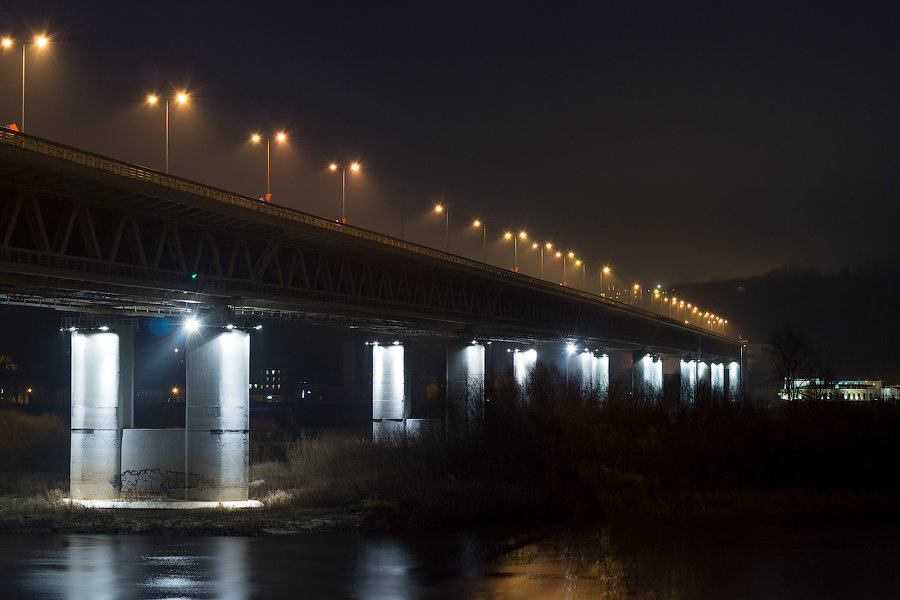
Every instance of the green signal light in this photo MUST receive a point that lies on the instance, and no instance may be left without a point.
(194, 275)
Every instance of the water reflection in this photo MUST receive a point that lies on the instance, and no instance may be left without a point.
(706, 558)
(112, 567)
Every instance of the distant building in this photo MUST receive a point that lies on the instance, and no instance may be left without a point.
(12, 390)
(851, 390)
(267, 385)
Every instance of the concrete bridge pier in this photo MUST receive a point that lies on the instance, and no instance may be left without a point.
(524, 360)
(465, 388)
(733, 387)
(671, 376)
(647, 378)
(588, 370)
(717, 382)
(217, 423)
(688, 383)
(703, 392)
(389, 391)
(102, 405)
(620, 375)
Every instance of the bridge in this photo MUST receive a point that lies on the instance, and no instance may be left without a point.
(101, 237)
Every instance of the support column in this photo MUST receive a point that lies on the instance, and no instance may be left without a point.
(671, 375)
(620, 368)
(704, 391)
(590, 372)
(647, 379)
(388, 391)
(688, 382)
(217, 421)
(524, 362)
(734, 382)
(717, 382)
(465, 388)
(97, 398)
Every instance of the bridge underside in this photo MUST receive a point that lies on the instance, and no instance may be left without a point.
(85, 233)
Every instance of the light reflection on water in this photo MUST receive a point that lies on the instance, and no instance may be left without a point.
(780, 557)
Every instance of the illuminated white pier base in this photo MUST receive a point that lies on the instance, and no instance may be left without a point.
(717, 382)
(465, 388)
(648, 378)
(102, 386)
(388, 391)
(688, 381)
(217, 422)
(734, 381)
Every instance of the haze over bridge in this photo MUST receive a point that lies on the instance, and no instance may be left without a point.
(95, 235)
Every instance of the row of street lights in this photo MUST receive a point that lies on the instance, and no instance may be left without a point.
(683, 310)
(676, 309)
(280, 136)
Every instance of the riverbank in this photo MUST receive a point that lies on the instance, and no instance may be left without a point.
(546, 458)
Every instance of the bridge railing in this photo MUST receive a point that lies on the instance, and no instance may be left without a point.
(137, 172)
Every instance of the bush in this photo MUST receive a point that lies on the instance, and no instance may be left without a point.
(31, 443)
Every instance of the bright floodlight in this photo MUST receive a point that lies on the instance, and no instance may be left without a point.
(571, 255)
(523, 235)
(7, 42)
(191, 324)
(255, 138)
(41, 41)
(354, 167)
(438, 208)
(182, 97)
(570, 348)
(548, 245)
(476, 223)
(507, 235)
(333, 167)
(152, 99)
(281, 136)
(606, 270)
(534, 245)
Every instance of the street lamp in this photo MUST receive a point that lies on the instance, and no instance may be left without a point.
(638, 293)
(40, 41)
(579, 262)
(180, 98)
(509, 236)
(354, 168)
(548, 246)
(603, 271)
(256, 138)
(479, 223)
(440, 208)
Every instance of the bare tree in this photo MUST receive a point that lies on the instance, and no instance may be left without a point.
(791, 357)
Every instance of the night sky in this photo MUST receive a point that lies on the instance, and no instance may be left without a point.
(673, 143)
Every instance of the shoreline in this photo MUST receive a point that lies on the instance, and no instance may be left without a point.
(59, 518)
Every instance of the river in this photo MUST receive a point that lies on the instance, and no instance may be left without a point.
(771, 557)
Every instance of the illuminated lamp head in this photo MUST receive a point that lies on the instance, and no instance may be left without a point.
(191, 324)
